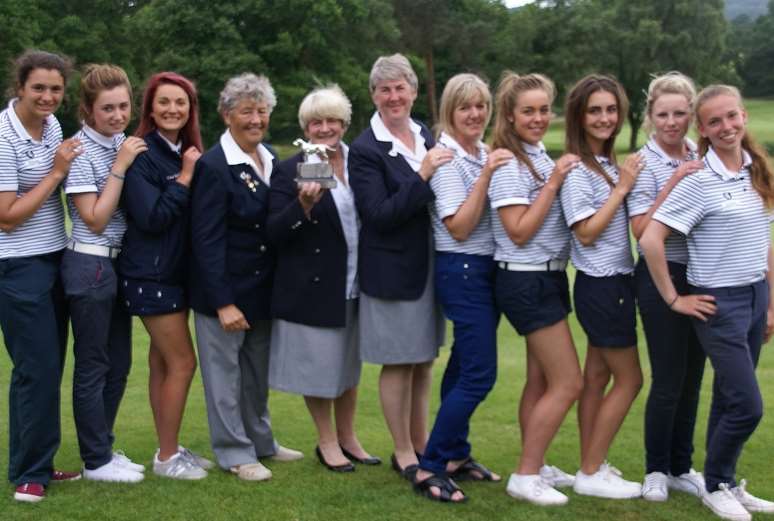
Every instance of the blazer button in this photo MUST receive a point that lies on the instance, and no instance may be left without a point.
(262, 248)
(316, 279)
(257, 272)
(257, 226)
(315, 221)
(317, 251)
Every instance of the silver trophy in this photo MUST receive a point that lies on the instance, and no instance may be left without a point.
(320, 172)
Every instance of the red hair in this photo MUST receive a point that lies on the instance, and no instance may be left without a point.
(189, 134)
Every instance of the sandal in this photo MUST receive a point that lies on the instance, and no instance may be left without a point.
(446, 486)
(472, 470)
(408, 472)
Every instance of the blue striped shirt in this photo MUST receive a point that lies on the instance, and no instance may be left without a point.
(514, 184)
(726, 224)
(583, 193)
(659, 168)
(89, 174)
(452, 183)
(24, 162)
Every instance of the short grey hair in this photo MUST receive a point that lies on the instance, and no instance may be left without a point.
(392, 68)
(246, 86)
(325, 102)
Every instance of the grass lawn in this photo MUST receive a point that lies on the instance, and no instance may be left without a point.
(306, 491)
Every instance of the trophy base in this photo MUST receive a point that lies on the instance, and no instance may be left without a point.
(316, 173)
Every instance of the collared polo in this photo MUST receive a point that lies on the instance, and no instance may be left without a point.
(514, 184)
(24, 162)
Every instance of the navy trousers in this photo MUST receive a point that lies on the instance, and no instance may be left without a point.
(677, 366)
(465, 287)
(33, 317)
(732, 339)
(102, 345)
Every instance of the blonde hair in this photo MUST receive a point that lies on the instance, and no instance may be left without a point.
(95, 79)
(325, 102)
(672, 82)
(760, 171)
(506, 99)
(462, 88)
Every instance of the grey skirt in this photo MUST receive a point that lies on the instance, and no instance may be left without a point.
(315, 361)
(402, 331)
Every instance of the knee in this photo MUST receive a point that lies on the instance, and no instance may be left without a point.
(571, 389)
(596, 379)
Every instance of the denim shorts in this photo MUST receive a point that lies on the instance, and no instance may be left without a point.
(532, 300)
(606, 310)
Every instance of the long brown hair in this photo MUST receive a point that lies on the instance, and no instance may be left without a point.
(189, 134)
(575, 112)
(508, 90)
(760, 171)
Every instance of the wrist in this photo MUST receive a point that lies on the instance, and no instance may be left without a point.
(57, 174)
(115, 174)
(672, 301)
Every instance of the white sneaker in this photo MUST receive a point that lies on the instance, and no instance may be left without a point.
(654, 488)
(725, 505)
(533, 488)
(113, 471)
(121, 459)
(556, 477)
(750, 502)
(286, 454)
(606, 482)
(691, 482)
(196, 458)
(179, 466)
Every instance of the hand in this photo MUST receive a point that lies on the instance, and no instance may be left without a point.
(129, 150)
(495, 160)
(232, 319)
(68, 150)
(699, 306)
(563, 166)
(687, 168)
(629, 172)
(434, 158)
(190, 157)
(309, 194)
(769, 325)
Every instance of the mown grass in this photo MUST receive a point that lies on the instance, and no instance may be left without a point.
(306, 491)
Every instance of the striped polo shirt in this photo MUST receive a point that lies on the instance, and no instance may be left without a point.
(659, 168)
(89, 174)
(514, 184)
(583, 193)
(725, 221)
(452, 184)
(24, 162)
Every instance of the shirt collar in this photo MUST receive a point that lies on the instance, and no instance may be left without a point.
(175, 147)
(668, 160)
(104, 141)
(603, 160)
(534, 150)
(381, 133)
(712, 160)
(19, 127)
(236, 156)
(449, 142)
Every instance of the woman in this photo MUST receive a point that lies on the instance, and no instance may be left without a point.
(314, 345)
(151, 265)
(464, 277)
(401, 327)
(531, 285)
(676, 358)
(33, 163)
(724, 211)
(231, 280)
(592, 200)
(101, 327)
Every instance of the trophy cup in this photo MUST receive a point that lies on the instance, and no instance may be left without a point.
(315, 167)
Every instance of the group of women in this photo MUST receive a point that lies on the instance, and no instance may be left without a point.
(293, 285)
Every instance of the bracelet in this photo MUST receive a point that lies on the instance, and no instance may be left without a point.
(121, 177)
(673, 301)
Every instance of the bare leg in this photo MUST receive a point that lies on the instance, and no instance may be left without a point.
(596, 376)
(320, 409)
(344, 407)
(553, 352)
(171, 340)
(156, 371)
(395, 387)
(624, 364)
(534, 388)
(420, 405)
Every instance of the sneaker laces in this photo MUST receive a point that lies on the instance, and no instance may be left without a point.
(652, 481)
(612, 469)
(180, 465)
(728, 495)
(539, 486)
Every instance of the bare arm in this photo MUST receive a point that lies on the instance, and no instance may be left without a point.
(770, 311)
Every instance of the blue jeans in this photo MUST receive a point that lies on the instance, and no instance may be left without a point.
(33, 317)
(465, 287)
(732, 339)
(102, 345)
(677, 366)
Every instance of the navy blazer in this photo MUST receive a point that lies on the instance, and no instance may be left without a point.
(232, 261)
(155, 246)
(392, 201)
(311, 279)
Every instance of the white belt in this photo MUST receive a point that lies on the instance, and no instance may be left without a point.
(552, 265)
(94, 249)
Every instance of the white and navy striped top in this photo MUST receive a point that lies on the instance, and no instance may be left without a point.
(514, 184)
(452, 183)
(24, 162)
(583, 193)
(659, 168)
(725, 221)
(89, 173)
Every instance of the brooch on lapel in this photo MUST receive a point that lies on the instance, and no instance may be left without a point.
(248, 180)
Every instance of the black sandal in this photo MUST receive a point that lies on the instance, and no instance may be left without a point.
(472, 470)
(446, 487)
(408, 472)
